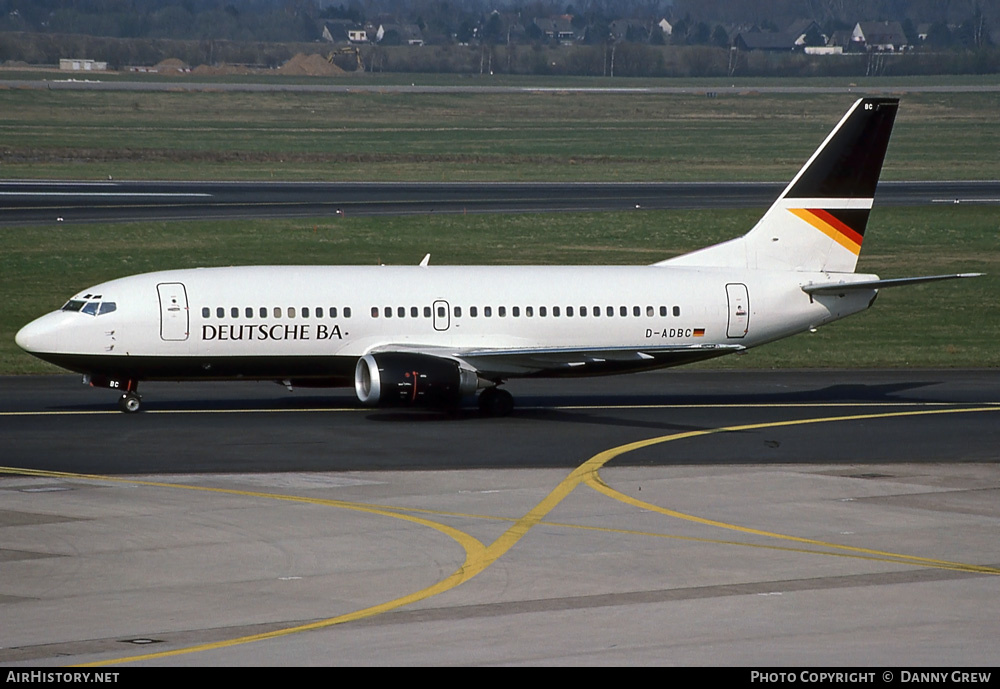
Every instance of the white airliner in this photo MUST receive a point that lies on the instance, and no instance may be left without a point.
(433, 335)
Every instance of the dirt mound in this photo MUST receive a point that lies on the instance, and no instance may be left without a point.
(172, 65)
(310, 66)
(222, 70)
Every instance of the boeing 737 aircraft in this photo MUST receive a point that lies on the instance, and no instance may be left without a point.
(433, 335)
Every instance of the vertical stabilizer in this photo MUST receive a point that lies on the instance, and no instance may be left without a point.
(818, 222)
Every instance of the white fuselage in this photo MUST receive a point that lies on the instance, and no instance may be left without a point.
(432, 335)
(188, 323)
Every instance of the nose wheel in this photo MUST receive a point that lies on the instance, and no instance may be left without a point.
(130, 402)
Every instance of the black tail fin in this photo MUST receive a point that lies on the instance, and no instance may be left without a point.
(847, 165)
(818, 222)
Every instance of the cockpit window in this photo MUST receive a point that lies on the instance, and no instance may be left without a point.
(92, 308)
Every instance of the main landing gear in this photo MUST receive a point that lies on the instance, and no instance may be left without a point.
(495, 402)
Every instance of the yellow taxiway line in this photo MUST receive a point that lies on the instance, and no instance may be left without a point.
(480, 557)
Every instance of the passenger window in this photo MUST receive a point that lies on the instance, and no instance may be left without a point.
(610, 311)
(555, 311)
(677, 311)
(305, 312)
(649, 311)
(569, 311)
(529, 311)
(502, 311)
(263, 312)
(205, 311)
(458, 312)
(663, 310)
(622, 311)
(473, 311)
(597, 311)
(414, 312)
(635, 311)
(291, 312)
(220, 312)
(441, 312)
(248, 311)
(374, 312)
(277, 312)
(333, 312)
(234, 312)
(427, 312)
(487, 311)
(347, 312)
(541, 311)
(401, 311)
(583, 310)
(516, 311)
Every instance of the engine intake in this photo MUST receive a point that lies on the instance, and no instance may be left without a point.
(396, 379)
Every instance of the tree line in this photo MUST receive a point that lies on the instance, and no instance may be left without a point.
(961, 23)
(479, 36)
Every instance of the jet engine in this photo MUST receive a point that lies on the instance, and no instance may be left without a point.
(399, 379)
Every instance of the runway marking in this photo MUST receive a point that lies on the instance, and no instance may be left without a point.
(107, 194)
(565, 407)
(473, 564)
(864, 555)
(479, 557)
(594, 480)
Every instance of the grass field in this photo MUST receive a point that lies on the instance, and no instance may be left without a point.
(541, 136)
(946, 325)
(466, 136)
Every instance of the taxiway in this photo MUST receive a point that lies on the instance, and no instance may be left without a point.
(33, 202)
(677, 517)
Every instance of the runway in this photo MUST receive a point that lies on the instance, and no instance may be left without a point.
(25, 202)
(679, 517)
(350, 85)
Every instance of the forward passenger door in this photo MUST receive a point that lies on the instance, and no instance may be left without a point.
(174, 319)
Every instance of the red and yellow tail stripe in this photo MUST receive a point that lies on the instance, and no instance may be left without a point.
(836, 228)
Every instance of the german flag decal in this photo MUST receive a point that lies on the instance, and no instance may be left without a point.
(846, 226)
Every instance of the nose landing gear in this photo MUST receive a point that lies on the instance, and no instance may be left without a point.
(130, 402)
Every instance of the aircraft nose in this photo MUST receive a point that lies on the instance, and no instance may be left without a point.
(37, 336)
(27, 336)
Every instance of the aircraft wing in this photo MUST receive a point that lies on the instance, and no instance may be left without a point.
(556, 361)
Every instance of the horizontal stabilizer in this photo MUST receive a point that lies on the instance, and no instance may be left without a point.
(841, 287)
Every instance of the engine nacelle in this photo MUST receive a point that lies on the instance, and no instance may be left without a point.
(398, 379)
